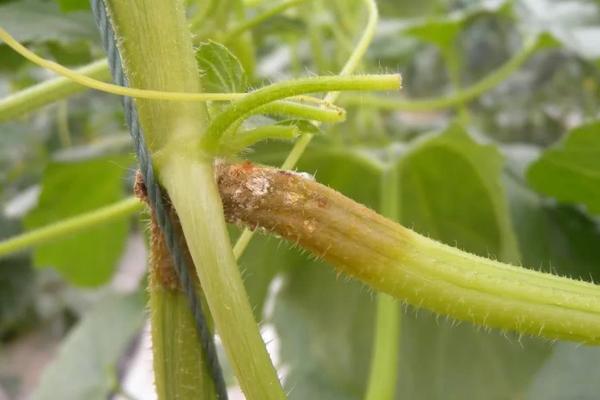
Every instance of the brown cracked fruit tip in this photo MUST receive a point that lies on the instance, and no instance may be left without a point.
(389, 257)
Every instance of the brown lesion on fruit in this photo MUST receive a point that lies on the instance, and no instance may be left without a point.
(297, 208)
(251, 194)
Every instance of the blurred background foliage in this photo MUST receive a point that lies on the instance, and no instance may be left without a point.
(512, 174)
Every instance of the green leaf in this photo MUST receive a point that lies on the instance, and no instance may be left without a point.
(443, 31)
(283, 25)
(450, 190)
(442, 360)
(222, 71)
(16, 291)
(70, 54)
(263, 260)
(558, 239)
(324, 164)
(11, 60)
(17, 284)
(570, 171)
(325, 328)
(73, 5)
(570, 373)
(87, 362)
(37, 21)
(21, 150)
(72, 188)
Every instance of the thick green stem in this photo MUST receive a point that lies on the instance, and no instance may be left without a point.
(158, 54)
(386, 343)
(222, 284)
(49, 91)
(406, 265)
(179, 367)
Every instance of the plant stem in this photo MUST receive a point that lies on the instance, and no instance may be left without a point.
(349, 67)
(302, 143)
(62, 124)
(384, 361)
(386, 343)
(251, 137)
(387, 256)
(260, 18)
(85, 77)
(329, 114)
(221, 281)
(245, 106)
(453, 66)
(157, 51)
(177, 357)
(82, 79)
(406, 265)
(70, 226)
(179, 365)
(462, 96)
(18, 103)
(44, 93)
(316, 38)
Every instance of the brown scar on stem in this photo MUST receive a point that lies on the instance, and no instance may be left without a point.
(162, 271)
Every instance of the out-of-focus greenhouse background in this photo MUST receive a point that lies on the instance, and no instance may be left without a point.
(495, 135)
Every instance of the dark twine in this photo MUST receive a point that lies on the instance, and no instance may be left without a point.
(155, 199)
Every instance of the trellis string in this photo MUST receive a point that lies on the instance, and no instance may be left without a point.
(157, 203)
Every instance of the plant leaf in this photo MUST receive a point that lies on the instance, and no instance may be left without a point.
(16, 284)
(443, 31)
(559, 239)
(73, 5)
(72, 188)
(263, 260)
(86, 364)
(222, 71)
(41, 21)
(570, 172)
(325, 328)
(450, 190)
(570, 373)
